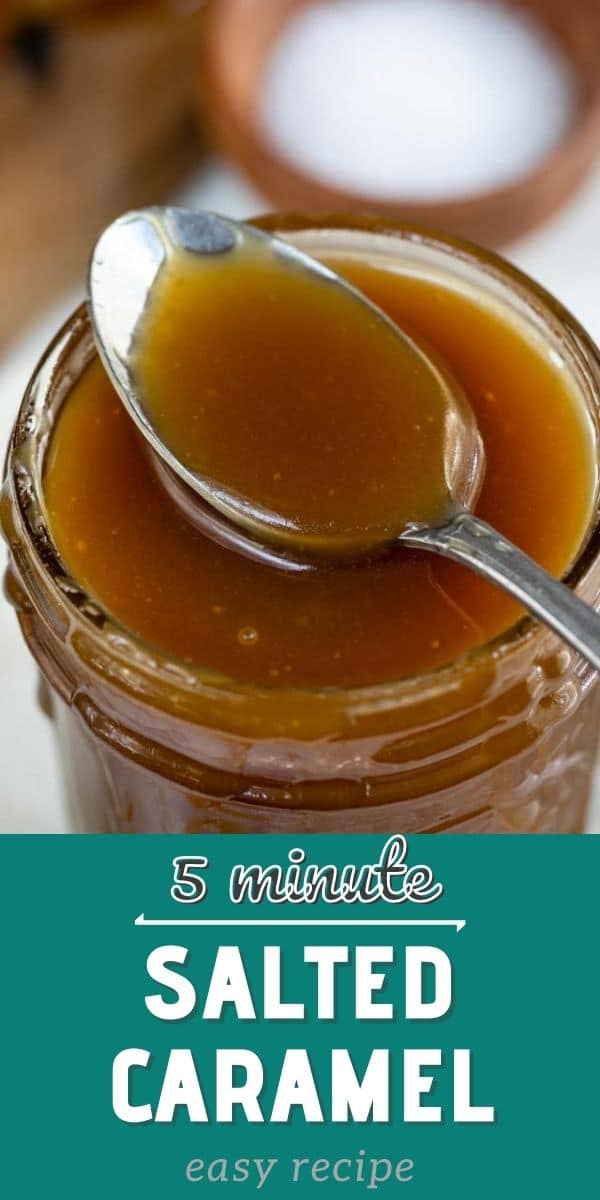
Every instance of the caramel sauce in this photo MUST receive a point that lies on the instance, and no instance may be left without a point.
(132, 548)
(304, 410)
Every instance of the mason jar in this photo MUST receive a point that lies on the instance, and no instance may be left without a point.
(503, 739)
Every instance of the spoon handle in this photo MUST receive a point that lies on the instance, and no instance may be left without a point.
(468, 540)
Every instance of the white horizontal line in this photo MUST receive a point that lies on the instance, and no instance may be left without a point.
(236, 923)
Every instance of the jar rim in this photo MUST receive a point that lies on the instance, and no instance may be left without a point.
(106, 632)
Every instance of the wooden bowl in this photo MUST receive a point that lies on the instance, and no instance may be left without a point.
(238, 36)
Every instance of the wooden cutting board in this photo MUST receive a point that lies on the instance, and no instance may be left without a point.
(94, 118)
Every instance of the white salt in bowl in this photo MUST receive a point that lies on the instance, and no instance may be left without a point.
(239, 38)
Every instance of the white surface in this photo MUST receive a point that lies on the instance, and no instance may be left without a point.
(427, 98)
(565, 257)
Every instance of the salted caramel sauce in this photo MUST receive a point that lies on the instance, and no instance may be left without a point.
(129, 544)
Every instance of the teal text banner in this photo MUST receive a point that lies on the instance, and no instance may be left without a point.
(201, 1017)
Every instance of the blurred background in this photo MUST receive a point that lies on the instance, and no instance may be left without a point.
(481, 117)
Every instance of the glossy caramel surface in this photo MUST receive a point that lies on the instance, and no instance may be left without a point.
(300, 408)
(130, 546)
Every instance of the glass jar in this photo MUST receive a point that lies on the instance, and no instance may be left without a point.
(503, 739)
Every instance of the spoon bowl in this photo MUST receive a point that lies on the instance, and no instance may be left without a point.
(125, 268)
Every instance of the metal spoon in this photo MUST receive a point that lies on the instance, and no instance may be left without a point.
(125, 264)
